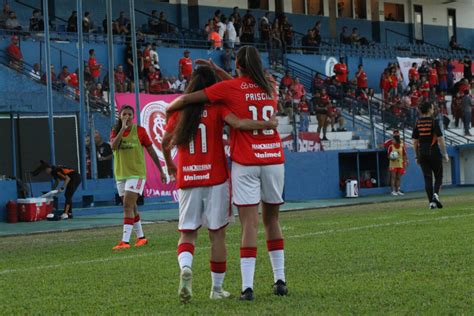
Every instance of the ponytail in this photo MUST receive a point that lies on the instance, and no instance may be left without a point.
(250, 63)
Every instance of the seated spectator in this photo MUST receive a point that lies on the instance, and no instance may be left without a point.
(115, 26)
(12, 22)
(287, 100)
(14, 54)
(297, 90)
(63, 75)
(178, 85)
(356, 39)
(36, 22)
(154, 81)
(72, 23)
(335, 115)
(35, 73)
(44, 79)
(96, 94)
(123, 23)
(153, 22)
(4, 15)
(121, 81)
(72, 82)
(343, 37)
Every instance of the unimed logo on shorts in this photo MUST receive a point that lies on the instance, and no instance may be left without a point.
(153, 118)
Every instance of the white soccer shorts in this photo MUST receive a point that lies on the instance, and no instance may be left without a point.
(131, 185)
(252, 184)
(204, 206)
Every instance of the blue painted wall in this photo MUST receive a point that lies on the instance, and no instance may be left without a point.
(7, 192)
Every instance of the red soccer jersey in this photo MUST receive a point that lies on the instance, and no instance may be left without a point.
(186, 66)
(95, 67)
(415, 96)
(73, 81)
(362, 80)
(433, 75)
(303, 107)
(341, 72)
(145, 140)
(154, 84)
(425, 89)
(413, 74)
(146, 59)
(393, 80)
(203, 161)
(14, 52)
(247, 100)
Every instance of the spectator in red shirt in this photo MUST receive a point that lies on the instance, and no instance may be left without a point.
(147, 62)
(318, 83)
(121, 80)
(413, 74)
(425, 88)
(341, 71)
(286, 82)
(154, 81)
(94, 66)
(393, 81)
(186, 66)
(385, 84)
(443, 75)
(73, 82)
(433, 76)
(63, 75)
(14, 54)
(298, 90)
(361, 78)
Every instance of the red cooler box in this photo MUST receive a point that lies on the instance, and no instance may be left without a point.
(32, 209)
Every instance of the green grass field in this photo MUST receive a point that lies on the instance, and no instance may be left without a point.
(390, 258)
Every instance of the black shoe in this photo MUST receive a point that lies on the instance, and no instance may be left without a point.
(247, 295)
(437, 201)
(280, 289)
(70, 215)
(325, 138)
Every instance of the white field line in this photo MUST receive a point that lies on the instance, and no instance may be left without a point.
(323, 232)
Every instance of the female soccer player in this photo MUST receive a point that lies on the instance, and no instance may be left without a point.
(127, 141)
(71, 178)
(398, 165)
(202, 174)
(430, 150)
(257, 161)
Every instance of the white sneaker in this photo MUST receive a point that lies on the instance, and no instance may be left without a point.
(218, 294)
(400, 193)
(432, 205)
(185, 291)
(394, 193)
(64, 216)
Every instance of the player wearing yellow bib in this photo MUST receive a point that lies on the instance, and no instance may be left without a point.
(127, 141)
(398, 161)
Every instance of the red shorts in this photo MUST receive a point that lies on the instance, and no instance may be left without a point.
(398, 170)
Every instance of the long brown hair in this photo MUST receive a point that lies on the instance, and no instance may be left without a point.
(190, 117)
(118, 124)
(250, 64)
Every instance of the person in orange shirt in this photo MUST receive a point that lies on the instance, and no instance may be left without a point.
(433, 76)
(216, 40)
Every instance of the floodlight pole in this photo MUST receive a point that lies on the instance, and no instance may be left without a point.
(135, 61)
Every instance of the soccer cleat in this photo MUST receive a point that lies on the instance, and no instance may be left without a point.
(141, 242)
(280, 289)
(400, 193)
(437, 201)
(217, 294)
(121, 245)
(247, 295)
(432, 205)
(64, 216)
(185, 291)
(394, 193)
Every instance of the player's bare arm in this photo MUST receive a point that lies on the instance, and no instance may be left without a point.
(187, 99)
(442, 145)
(247, 124)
